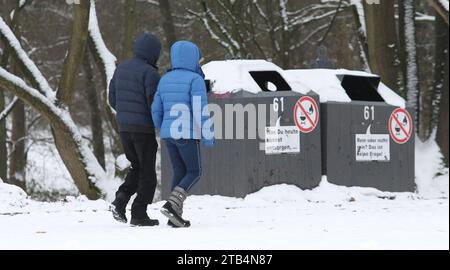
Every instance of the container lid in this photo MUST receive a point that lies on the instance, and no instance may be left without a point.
(255, 76)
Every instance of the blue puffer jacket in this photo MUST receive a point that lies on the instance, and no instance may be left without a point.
(179, 108)
(134, 84)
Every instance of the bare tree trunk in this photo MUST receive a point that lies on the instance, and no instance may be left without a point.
(3, 137)
(130, 29)
(382, 41)
(67, 147)
(75, 53)
(409, 86)
(442, 128)
(430, 97)
(402, 53)
(18, 159)
(3, 149)
(285, 34)
(96, 117)
(168, 25)
(362, 39)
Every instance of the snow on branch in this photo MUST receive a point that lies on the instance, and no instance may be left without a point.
(62, 117)
(362, 17)
(211, 32)
(312, 18)
(22, 3)
(8, 109)
(108, 59)
(25, 92)
(284, 16)
(209, 14)
(444, 4)
(14, 43)
(152, 2)
(441, 7)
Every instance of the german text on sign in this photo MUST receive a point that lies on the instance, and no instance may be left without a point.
(282, 140)
(372, 147)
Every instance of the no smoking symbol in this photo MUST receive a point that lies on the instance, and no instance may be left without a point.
(306, 114)
(400, 126)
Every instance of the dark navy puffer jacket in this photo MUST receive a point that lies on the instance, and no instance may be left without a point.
(134, 84)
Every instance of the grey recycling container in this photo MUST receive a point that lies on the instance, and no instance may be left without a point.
(241, 163)
(367, 142)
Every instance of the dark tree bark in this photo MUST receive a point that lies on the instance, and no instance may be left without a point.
(75, 53)
(130, 29)
(382, 41)
(3, 149)
(96, 116)
(409, 85)
(362, 39)
(430, 97)
(442, 75)
(18, 158)
(67, 147)
(168, 25)
(402, 47)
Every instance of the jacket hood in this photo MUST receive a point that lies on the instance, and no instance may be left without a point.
(185, 55)
(148, 48)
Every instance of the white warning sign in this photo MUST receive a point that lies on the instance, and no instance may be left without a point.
(282, 140)
(372, 147)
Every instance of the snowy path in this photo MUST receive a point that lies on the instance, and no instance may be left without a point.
(278, 217)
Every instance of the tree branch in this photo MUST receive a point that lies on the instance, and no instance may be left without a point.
(439, 10)
(8, 109)
(27, 66)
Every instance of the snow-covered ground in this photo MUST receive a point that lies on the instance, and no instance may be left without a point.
(277, 217)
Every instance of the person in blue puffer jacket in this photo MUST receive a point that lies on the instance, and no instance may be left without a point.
(179, 110)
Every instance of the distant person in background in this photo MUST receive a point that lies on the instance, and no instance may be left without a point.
(131, 94)
(181, 98)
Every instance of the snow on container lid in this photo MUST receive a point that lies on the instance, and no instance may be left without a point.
(327, 83)
(252, 76)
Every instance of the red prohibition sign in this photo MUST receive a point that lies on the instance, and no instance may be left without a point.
(400, 125)
(306, 114)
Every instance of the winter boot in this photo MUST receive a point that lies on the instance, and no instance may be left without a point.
(143, 222)
(118, 208)
(139, 216)
(169, 223)
(173, 208)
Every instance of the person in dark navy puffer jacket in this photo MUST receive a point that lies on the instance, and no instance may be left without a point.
(131, 93)
(180, 110)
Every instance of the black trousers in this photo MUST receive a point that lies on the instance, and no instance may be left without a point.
(140, 149)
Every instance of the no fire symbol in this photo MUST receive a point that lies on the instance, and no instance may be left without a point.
(400, 126)
(306, 114)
